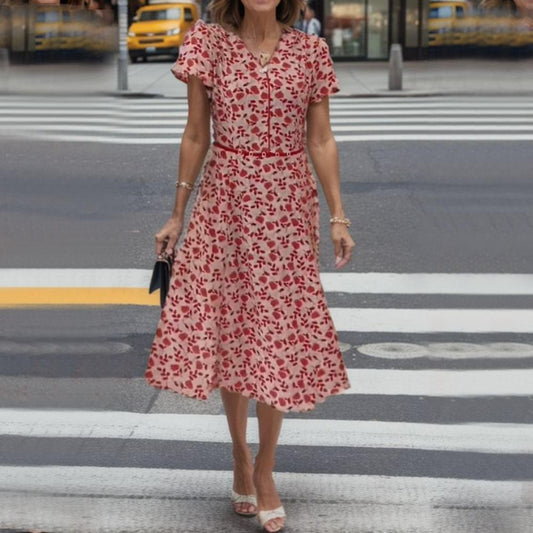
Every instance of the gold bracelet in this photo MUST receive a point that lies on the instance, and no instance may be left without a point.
(186, 184)
(345, 221)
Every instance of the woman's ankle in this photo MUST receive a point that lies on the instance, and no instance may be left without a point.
(264, 465)
(242, 454)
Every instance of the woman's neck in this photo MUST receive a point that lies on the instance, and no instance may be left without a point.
(259, 26)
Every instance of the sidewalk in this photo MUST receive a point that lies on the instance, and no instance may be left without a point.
(364, 79)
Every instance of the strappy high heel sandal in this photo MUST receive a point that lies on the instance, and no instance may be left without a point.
(266, 516)
(237, 499)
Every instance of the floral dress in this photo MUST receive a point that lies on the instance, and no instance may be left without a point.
(246, 309)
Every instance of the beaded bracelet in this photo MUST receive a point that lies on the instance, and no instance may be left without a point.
(186, 184)
(345, 221)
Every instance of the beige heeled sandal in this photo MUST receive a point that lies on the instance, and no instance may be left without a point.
(237, 498)
(266, 516)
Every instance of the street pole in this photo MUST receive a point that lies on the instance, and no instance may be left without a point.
(4, 69)
(122, 45)
(395, 67)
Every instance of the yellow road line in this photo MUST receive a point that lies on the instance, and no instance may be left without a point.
(42, 296)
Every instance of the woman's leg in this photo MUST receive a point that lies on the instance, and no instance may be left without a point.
(236, 406)
(269, 420)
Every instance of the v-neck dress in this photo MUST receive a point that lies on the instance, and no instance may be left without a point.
(246, 309)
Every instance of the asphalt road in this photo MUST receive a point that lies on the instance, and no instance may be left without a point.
(424, 206)
(415, 207)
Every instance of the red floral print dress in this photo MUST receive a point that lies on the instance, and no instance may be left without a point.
(246, 309)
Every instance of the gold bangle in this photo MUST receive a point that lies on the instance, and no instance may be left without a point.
(185, 184)
(345, 221)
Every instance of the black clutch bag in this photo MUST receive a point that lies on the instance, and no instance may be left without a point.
(161, 276)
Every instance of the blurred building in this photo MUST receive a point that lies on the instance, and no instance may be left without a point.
(354, 29)
(365, 29)
(31, 29)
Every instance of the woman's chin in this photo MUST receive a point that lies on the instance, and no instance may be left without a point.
(261, 6)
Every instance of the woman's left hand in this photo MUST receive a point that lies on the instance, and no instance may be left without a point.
(343, 244)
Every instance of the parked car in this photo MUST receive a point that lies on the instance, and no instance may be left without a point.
(457, 23)
(61, 28)
(444, 22)
(159, 29)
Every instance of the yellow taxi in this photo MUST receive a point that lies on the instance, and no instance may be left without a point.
(48, 28)
(159, 28)
(71, 29)
(445, 25)
(457, 23)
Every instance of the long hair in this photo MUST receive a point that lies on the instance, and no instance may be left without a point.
(231, 12)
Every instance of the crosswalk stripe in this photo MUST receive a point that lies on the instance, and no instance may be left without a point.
(335, 103)
(74, 123)
(160, 121)
(347, 282)
(441, 383)
(165, 483)
(176, 130)
(349, 319)
(473, 437)
(334, 112)
(339, 138)
(428, 283)
(164, 120)
(434, 137)
(421, 320)
(129, 287)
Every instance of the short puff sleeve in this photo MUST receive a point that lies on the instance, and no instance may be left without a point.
(196, 55)
(325, 80)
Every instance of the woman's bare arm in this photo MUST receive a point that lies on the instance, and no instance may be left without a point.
(194, 142)
(325, 158)
(194, 145)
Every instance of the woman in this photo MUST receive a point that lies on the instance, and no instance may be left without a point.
(311, 24)
(246, 312)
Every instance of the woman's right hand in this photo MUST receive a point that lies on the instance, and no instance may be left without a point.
(167, 237)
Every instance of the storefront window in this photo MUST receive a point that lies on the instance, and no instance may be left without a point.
(345, 27)
(412, 20)
(378, 29)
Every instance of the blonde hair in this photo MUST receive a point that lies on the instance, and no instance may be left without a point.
(231, 12)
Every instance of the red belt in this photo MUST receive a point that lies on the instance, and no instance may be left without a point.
(264, 153)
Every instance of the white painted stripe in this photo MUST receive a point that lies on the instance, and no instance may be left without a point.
(483, 438)
(177, 129)
(441, 383)
(428, 283)
(433, 320)
(429, 111)
(90, 138)
(344, 103)
(345, 282)
(173, 113)
(431, 120)
(107, 129)
(434, 137)
(75, 277)
(88, 499)
(436, 127)
(334, 111)
(132, 120)
(170, 482)
(104, 119)
(339, 138)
